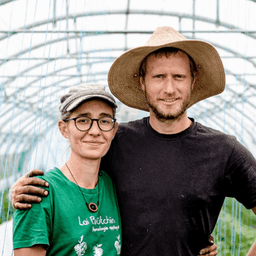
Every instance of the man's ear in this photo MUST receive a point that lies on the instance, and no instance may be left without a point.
(193, 83)
(63, 128)
(142, 84)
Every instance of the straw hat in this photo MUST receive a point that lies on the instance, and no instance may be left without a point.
(123, 77)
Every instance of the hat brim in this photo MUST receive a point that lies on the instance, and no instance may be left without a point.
(124, 81)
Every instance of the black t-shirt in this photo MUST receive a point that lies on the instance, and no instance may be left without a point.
(171, 187)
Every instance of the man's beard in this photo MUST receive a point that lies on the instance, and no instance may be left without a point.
(161, 116)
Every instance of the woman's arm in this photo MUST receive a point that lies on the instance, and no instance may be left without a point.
(37, 250)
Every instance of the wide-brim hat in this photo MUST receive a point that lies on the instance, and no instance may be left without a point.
(82, 93)
(123, 76)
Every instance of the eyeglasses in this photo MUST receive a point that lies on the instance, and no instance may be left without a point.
(85, 123)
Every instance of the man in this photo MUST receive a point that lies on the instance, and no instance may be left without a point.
(171, 173)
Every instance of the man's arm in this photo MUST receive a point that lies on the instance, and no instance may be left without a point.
(25, 191)
(210, 250)
(252, 251)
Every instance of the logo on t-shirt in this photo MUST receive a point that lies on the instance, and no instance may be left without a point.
(81, 247)
(97, 250)
(118, 245)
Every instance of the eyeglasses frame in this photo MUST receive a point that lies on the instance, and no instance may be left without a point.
(92, 119)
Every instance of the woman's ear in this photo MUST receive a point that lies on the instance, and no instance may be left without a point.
(63, 128)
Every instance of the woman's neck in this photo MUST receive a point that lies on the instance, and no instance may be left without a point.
(83, 172)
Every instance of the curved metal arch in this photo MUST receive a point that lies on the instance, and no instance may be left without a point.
(82, 75)
(29, 108)
(149, 32)
(245, 115)
(32, 135)
(239, 96)
(218, 110)
(47, 120)
(63, 39)
(74, 76)
(236, 54)
(22, 146)
(38, 136)
(228, 125)
(249, 132)
(173, 14)
(117, 12)
(96, 74)
(215, 109)
(89, 33)
(71, 77)
(46, 62)
(54, 59)
(131, 12)
(52, 124)
(64, 80)
(2, 2)
(34, 48)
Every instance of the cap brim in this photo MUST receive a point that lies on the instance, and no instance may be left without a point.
(76, 102)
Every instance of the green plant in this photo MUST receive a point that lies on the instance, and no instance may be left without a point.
(6, 209)
(235, 230)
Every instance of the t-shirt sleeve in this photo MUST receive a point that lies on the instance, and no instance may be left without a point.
(33, 227)
(240, 177)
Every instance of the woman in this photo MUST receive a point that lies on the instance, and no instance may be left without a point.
(80, 216)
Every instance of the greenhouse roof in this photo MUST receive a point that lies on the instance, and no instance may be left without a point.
(48, 46)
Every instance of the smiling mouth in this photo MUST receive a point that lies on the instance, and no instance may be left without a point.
(168, 100)
(94, 143)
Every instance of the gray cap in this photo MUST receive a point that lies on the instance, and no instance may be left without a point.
(84, 92)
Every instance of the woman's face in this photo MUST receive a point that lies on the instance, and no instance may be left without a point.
(94, 143)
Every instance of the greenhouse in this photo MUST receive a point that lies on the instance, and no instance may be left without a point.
(49, 46)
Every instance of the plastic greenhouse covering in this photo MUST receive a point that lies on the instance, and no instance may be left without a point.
(48, 46)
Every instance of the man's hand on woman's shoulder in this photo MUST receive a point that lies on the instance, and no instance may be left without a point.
(25, 190)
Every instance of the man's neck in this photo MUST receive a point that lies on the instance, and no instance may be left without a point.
(173, 126)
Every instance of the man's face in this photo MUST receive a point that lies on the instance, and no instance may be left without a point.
(168, 85)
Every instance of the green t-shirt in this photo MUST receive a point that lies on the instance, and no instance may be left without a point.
(63, 223)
